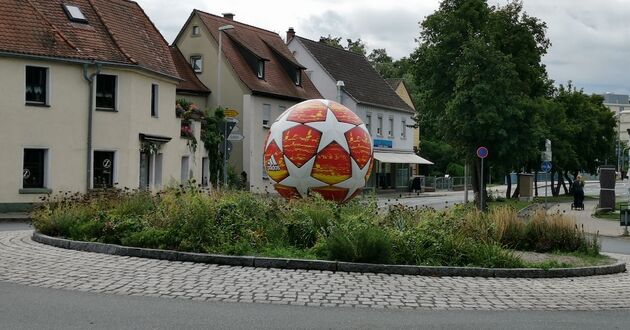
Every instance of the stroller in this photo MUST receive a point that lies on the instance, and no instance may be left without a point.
(578, 195)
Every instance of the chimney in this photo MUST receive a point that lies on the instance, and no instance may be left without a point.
(290, 34)
(229, 16)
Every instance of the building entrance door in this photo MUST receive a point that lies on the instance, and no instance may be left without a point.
(145, 170)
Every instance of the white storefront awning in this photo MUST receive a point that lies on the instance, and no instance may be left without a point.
(400, 158)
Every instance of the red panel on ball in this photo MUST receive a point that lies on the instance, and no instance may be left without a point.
(344, 114)
(331, 193)
(369, 171)
(360, 145)
(300, 144)
(274, 163)
(287, 192)
(308, 111)
(332, 164)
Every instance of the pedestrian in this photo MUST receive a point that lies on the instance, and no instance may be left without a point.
(244, 182)
(578, 193)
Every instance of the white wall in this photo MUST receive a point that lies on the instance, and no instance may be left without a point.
(62, 127)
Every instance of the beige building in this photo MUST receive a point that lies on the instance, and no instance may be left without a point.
(88, 101)
(399, 86)
(259, 78)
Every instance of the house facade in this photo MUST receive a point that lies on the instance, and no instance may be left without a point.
(351, 80)
(88, 101)
(400, 87)
(259, 78)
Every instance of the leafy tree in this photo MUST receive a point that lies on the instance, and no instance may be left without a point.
(331, 41)
(357, 47)
(479, 75)
(211, 136)
(582, 131)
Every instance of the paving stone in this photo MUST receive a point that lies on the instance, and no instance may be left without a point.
(27, 262)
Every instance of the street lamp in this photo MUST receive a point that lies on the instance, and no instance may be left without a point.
(340, 85)
(219, 60)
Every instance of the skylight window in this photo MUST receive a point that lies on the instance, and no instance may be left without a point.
(74, 13)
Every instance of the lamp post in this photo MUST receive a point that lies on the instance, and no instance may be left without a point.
(219, 60)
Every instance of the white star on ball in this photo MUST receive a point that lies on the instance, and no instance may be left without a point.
(356, 181)
(300, 177)
(332, 131)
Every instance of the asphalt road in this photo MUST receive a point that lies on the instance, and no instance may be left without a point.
(24, 307)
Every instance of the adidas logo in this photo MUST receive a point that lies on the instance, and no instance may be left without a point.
(272, 165)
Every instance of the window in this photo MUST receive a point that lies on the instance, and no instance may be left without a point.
(154, 100)
(34, 168)
(103, 169)
(185, 169)
(158, 170)
(74, 13)
(36, 85)
(391, 127)
(298, 77)
(281, 110)
(195, 31)
(145, 170)
(106, 92)
(197, 63)
(368, 122)
(266, 116)
(379, 128)
(205, 172)
(403, 130)
(261, 70)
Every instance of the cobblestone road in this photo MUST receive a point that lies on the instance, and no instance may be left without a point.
(26, 262)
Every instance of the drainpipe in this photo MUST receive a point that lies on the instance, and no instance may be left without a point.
(90, 80)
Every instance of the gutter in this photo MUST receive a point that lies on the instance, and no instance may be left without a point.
(90, 80)
(87, 61)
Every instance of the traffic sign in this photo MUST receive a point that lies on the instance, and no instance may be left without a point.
(235, 137)
(230, 113)
(545, 166)
(482, 152)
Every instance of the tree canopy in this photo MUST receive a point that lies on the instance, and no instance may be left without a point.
(478, 71)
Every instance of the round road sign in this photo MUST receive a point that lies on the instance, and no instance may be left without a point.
(482, 152)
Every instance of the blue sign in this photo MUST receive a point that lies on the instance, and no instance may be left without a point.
(383, 143)
(482, 152)
(545, 167)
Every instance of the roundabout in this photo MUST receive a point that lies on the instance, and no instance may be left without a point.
(26, 262)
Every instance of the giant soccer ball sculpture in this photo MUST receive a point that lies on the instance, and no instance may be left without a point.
(318, 146)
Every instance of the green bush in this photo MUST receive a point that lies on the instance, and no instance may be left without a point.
(187, 218)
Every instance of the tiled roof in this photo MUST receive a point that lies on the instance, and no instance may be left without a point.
(190, 82)
(394, 82)
(362, 81)
(266, 45)
(117, 31)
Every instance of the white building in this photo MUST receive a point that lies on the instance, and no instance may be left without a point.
(349, 78)
(259, 78)
(88, 101)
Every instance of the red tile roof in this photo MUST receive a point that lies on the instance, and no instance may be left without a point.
(190, 82)
(266, 45)
(117, 31)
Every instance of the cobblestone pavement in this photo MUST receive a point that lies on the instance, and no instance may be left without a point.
(26, 262)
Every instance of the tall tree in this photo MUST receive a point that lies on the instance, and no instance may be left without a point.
(357, 47)
(478, 74)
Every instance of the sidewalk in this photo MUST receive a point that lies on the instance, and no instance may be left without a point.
(591, 224)
(15, 216)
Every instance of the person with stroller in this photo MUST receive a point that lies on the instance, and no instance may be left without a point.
(578, 193)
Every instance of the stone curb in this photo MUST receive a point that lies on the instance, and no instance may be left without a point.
(322, 265)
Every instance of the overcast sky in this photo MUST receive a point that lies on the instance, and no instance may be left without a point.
(590, 38)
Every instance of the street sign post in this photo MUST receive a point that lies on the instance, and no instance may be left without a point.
(546, 168)
(228, 125)
(482, 152)
(230, 113)
(235, 137)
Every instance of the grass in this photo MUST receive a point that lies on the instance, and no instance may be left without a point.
(511, 203)
(187, 218)
(605, 215)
